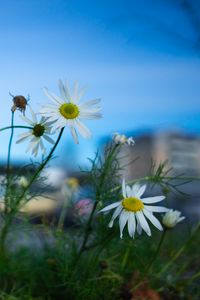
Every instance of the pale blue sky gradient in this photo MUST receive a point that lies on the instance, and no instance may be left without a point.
(142, 59)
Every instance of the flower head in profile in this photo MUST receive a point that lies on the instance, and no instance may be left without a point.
(122, 139)
(37, 132)
(67, 110)
(135, 210)
(171, 218)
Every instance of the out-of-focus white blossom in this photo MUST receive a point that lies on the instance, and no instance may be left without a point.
(171, 218)
(122, 139)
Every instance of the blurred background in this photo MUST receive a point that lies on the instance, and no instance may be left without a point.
(142, 58)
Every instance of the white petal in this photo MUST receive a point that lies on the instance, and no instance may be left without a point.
(30, 122)
(131, 224)
(123, 188)
(53, 97)
(128, 191)
(90, 116)
(63, 91)
(122, 221)
(33, 114)
(115, 215)
(153, 219)
(139, 228)
(89, 103)
(74, 134)
(141, 191)
(24, 136)
(181, 219)
(135, 189)
(156, 208)
(83, 130)
(153, 199)
(42, 147)
(48, 139)
(110, 206)
(141, 219)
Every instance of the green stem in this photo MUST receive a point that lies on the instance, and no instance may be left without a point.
(98, 194)
(157, 251)
(8, 164)
(14, 210)
(152, 261)
(16, 126)
(125, 257)
(41, 167)
(179, 252)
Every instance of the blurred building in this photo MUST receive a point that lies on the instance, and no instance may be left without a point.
(180, 150)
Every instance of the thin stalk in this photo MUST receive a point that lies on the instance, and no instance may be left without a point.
(15, 126)
(14, 210)
(157, 251)
(8, 164)
(98, 194)
(179, 252)
(152, 261)
(41, 167)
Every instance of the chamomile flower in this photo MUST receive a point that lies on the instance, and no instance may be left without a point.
(67, 110)
(39, 131)
(123, 139)
(134, 210)
(171, 218)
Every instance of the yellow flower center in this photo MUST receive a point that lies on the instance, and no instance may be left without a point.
(38, 130)
(69, 110)
(132, 204)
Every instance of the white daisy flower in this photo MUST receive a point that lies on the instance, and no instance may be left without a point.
(67, 110)
(132, 209)
(40, 130)
(171, 218)
(122, 139)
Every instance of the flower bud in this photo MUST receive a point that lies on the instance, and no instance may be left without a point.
(171, 218)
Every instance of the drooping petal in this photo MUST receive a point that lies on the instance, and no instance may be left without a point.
(153, 219)
(74, 134)
(83, 130)
(131, 224)
(122, 221)
(139, 228)
(141, 219)
(115, 215)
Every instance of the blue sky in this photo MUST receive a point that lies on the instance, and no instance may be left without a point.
(141, 57)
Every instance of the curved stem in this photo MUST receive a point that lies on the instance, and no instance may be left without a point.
(41, 167)
(179, 252)
(157, 251)
(98, 194)
(8, 164)
(152, 261)
(15, 126)
(13, 211)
